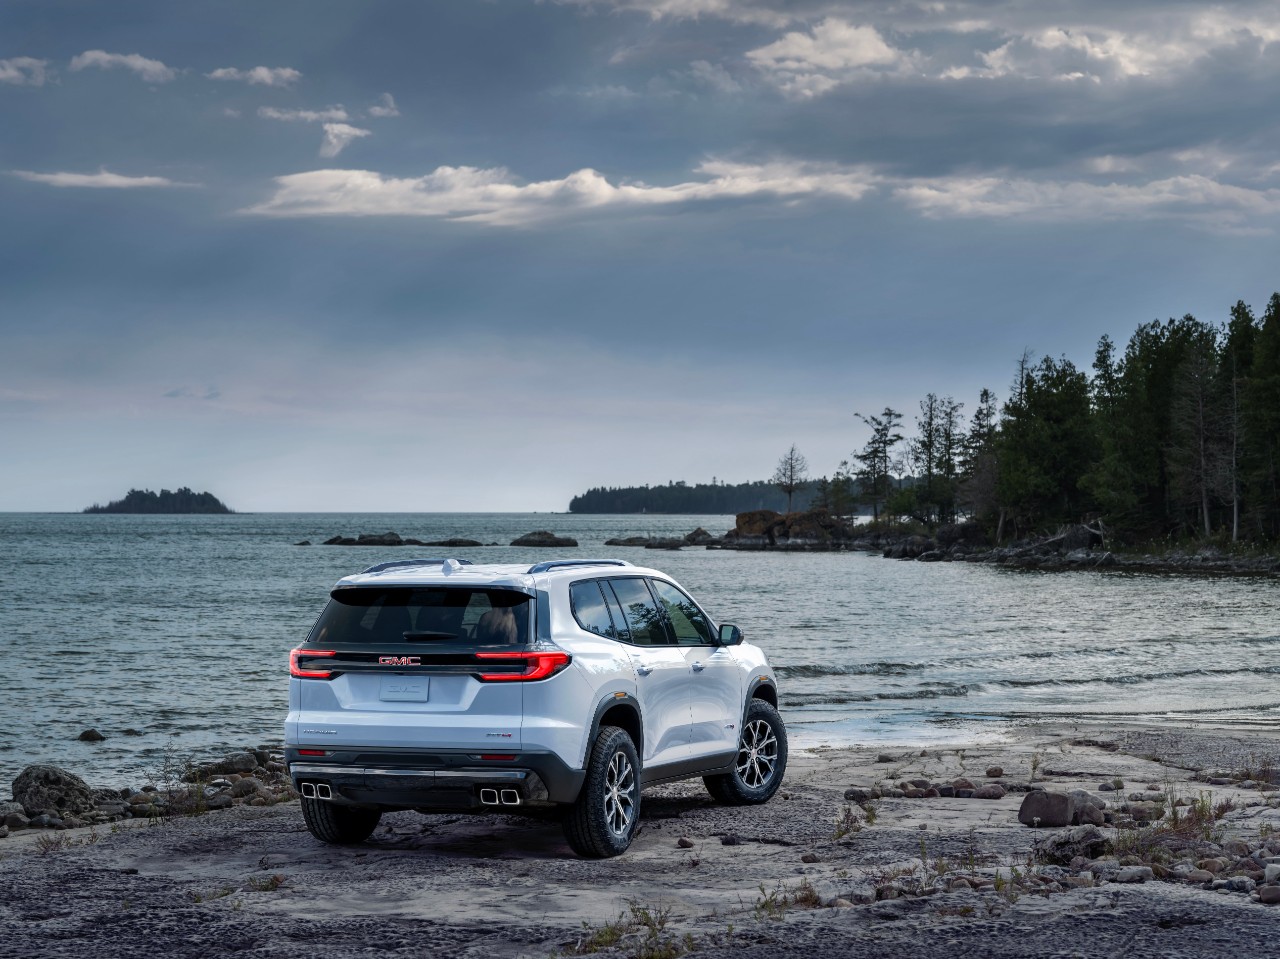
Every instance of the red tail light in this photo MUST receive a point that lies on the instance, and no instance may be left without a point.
(537, 665)
(296, 670)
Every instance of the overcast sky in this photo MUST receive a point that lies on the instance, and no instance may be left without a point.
(482, 256)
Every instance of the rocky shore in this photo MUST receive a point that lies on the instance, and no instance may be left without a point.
(1078, 547)
(1061, 840)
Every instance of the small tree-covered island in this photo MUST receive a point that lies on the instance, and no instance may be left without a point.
(183, 500)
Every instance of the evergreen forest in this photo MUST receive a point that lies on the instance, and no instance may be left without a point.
(183, 500)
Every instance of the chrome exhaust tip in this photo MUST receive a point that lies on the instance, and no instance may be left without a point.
(323, 791)
(309, 790)
(510, 797)
(489, 797)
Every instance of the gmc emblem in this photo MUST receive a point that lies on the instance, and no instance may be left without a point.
(399, 660)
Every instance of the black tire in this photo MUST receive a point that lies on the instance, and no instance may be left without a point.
(603, 820)
(339, 825)
(761, 761)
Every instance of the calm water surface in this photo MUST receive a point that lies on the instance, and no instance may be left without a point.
(179, 626)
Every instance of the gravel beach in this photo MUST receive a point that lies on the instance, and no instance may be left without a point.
(810, 873)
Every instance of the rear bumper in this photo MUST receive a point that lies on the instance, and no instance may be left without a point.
(440, 780)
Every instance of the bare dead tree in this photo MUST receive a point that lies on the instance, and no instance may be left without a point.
(792, 474)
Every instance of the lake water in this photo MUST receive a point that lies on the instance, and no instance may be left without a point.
(180, 626)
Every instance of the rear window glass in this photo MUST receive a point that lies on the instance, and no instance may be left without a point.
(589, 609)
(478, 617)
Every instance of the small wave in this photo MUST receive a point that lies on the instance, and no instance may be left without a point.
(852, 669)
(936, 692)
(1133, 679)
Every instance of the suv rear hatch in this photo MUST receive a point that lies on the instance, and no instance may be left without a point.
(418, 666)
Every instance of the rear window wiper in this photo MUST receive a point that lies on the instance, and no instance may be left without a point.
(413, 636)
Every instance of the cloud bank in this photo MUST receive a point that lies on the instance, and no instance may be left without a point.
(495, 196)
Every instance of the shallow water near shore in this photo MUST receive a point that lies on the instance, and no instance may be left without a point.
(179, 627)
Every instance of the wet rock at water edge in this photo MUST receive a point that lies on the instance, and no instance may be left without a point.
(131, 732)
(628, 541)
(48, 789)
(91, 736)
(305, 542)
(699, 537)
(989, 791)
(684, 842)
(543, 538)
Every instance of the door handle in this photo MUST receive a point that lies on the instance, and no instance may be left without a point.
(644, 670)
(697, 666)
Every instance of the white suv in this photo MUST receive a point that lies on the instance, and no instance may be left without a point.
(439, 685)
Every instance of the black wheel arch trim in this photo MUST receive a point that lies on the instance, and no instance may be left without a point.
(609, 702)
(760, 682)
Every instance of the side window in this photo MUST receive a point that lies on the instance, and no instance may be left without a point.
(589, 609)
(692, 628)
(619, 621)
(642, 616)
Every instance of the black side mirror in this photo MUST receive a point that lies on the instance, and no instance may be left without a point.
(730, 635)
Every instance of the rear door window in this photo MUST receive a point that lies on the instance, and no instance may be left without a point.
(452, 616)
(691, 627)
(646, 623)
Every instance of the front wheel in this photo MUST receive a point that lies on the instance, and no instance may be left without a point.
(603, 820)
(339, 825)
(760, 763)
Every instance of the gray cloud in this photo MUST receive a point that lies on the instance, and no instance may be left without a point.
(153, 71)
(337, 136)
(103, 179)
(333, 114)
(261, 76)
(24, 71)
(385, 107)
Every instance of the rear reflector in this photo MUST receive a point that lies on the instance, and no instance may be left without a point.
(537, 665)
(498, 756)
(311, 752)
(296, 670)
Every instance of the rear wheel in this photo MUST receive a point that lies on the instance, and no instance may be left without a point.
(761, 761)
(339, 825)
(603, 820)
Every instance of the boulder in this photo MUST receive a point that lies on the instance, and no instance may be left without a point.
(627, 541)
(543, 538)
(989, 791)
(754, 523)
(455, 543)
(239, 762)
(699, 537)
(1047, 810)
(379, 539)
(49, 790)
(91, 736)
(1061, 847)
(995, 772)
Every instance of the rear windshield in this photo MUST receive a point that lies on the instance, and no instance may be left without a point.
(476, 617)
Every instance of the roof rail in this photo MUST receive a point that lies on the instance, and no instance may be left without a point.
(416, 562)
(560, 563)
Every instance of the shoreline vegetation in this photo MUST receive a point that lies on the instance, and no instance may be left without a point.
(1170, 446)
(179, 501)
(1089, 839)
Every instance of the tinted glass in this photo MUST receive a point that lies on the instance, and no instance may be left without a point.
(691, 627)
(590, 610)
(615, 608)
(643, 619)
(479, 617)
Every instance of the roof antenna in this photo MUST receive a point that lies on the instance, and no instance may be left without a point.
(450, 566)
